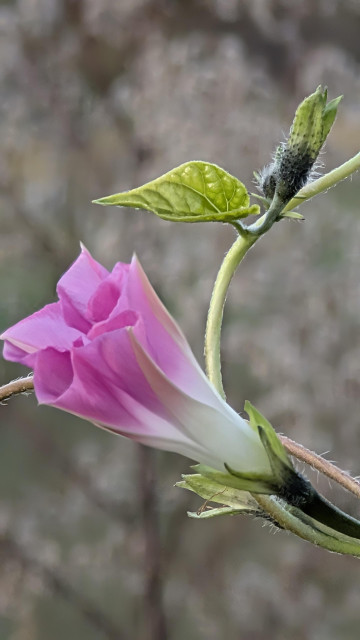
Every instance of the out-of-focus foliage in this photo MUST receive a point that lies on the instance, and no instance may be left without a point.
(100, 96)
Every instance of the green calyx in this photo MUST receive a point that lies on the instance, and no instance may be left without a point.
(238, 492)
(193, 192)
(284, 481)
(274, 448)
(282, 473)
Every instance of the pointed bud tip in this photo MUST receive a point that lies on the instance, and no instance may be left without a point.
(101, 201)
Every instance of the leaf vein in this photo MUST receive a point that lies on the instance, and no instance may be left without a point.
(187, 186)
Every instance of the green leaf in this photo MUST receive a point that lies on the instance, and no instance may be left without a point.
(257, 420)
(215, 492)
(193, 192)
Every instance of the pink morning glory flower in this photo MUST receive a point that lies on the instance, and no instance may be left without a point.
(108, 351)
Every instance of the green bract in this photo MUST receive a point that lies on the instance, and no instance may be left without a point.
(256, 421)
(329, 115)
(233, 501)
(252, 482)
(193, 192)
(215, 512)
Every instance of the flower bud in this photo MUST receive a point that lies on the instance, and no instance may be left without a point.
(294, 159)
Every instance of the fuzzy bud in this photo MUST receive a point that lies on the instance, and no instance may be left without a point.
(294, 159)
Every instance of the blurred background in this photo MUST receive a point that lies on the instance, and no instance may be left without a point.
(99, 96)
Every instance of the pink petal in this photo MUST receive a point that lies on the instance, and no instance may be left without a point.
(112, 354)
(53, 374)
(76, 287)
(143, 298)
(166, 343)
(119, 397)
(103, 301)
(44, 328)
(12, 353)
(120, 321)
(79, 389)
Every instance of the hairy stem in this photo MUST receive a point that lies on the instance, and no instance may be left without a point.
(311, 190)
(294, 520)
(22, 385)
(325, 182)
(288, 517)
(265, 223)
(314, 460)
(319, 463)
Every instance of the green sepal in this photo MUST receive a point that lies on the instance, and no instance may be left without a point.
(216, 512)
(193, 192)
(293, 215)
(256, 420)
(307, 130)
(266, 203)
(313, 121)
(252, 482)
(329, 115)
(215, 492)
(281, 471)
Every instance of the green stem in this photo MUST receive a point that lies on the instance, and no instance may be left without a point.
(214, 321)
(325, 182)
(294, 520)
(311, 190)
(265, 223)
(286, 516)
(237, 252)
(323, 511)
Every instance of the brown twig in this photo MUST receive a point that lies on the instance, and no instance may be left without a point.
(314, 460)
(14, 388)
(320, 464)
